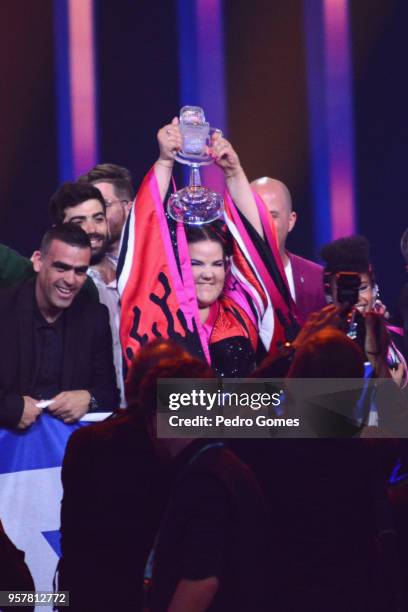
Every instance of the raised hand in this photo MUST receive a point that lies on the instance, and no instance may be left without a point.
(170, 142)
(224, 155)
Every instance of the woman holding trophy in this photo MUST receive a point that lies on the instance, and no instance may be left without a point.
(215, 286)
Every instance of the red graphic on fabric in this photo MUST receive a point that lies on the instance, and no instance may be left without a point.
(233, 321)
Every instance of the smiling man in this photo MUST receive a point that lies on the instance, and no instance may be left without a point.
(115, 184)
(61, 269)
(83, 204)
(56, 344)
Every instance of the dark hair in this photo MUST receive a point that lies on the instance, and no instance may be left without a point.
(71, 194)
(118, 176)
(328, 353)
(148, 357)
(351, 254)
(69, 233)
(404, 245)
(216, 231)
(185, 367)
(327, 408)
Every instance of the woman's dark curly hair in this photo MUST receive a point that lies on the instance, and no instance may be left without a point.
(216, 231)
(351, 254)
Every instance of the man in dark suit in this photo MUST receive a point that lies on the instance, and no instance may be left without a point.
(55, 344)
(305, 277)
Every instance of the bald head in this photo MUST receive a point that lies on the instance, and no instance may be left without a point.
(271, 190)
(277, 199)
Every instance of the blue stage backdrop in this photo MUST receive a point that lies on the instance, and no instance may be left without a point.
(139, 86)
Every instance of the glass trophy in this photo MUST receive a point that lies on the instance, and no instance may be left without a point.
(195, 204)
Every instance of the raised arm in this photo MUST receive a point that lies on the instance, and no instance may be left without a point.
(169, 139)
(237, 183)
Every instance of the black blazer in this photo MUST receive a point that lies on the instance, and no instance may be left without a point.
(87, 358)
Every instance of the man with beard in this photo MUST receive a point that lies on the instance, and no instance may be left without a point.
(115, 184)
(56, 344)
(83, 204)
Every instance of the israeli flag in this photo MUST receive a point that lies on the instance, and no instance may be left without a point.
(31, 493)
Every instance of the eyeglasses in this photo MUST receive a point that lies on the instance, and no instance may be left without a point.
(109, 203)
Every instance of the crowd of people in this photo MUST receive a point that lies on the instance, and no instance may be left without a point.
(118, 296)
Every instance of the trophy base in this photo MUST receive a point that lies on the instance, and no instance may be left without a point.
(195, 205)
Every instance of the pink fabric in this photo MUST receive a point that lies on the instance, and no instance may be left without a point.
(396, 330)
(171, 260)
(189, 286)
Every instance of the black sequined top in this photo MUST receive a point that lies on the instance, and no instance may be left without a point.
(233, 357)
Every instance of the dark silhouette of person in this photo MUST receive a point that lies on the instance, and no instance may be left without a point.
(115, 486)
